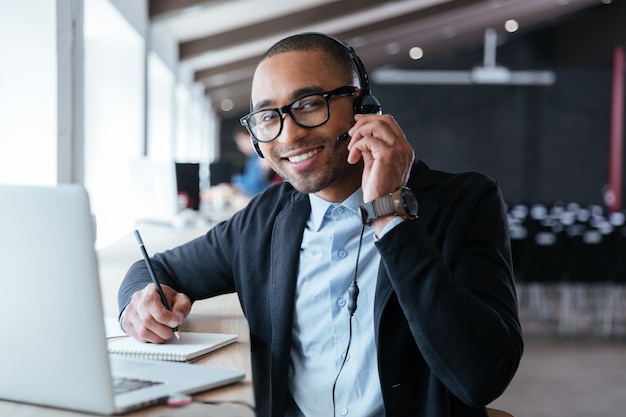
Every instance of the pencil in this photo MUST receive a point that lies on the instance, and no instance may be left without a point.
(157, 284)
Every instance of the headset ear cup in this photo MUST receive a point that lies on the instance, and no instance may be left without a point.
(367, 104)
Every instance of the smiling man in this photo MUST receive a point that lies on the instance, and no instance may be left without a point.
(425, 253)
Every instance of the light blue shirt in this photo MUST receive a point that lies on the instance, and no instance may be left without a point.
(321, 319)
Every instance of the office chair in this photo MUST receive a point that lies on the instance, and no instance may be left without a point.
(541, 262)
(615, 297)
(588, 273)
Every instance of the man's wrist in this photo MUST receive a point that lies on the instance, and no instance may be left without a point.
(401, 202)
(385, 224)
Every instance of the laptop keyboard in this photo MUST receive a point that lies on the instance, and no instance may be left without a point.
(122, 385)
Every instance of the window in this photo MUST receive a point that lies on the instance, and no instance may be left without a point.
(28, 86)
(114, 115)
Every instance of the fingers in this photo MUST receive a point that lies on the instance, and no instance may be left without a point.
(387, 155)
(146, 319)
(383, 127)
(379, 137)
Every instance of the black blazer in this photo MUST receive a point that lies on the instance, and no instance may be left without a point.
(445, 315)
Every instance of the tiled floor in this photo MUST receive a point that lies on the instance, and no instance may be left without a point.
(580, 374)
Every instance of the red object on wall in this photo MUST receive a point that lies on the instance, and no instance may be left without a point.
(617, 132)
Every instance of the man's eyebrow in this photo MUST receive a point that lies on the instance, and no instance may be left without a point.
(268, 103)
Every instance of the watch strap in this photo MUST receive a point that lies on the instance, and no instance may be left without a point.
(384, 206)
(379, 207)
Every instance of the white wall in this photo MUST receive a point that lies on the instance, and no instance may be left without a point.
(28, 92)
(87, 87)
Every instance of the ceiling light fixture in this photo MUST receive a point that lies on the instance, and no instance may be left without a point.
(511, 25)
(487, 73)
(416, 53)
(226, 104)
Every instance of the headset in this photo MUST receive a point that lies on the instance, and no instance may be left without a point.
(364, 104)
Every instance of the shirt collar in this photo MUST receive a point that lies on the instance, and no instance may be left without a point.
(319, 207)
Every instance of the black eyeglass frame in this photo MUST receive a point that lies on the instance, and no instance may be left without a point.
(344, 91)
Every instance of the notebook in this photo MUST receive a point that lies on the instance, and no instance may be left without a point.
(190, 346)
(54, 350)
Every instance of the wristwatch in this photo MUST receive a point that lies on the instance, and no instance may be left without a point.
(401, 202)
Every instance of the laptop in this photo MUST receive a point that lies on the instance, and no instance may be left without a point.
(53, 345)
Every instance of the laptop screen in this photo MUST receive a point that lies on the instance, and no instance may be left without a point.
(54, 349)
(54, 344)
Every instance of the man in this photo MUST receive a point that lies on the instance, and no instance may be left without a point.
(257, 174)
(436, 332)
(256, 177)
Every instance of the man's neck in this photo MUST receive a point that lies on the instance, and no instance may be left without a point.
(344, 186)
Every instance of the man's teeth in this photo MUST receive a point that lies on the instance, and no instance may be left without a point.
(302, 157)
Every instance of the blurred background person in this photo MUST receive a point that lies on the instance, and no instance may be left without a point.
(255, 177)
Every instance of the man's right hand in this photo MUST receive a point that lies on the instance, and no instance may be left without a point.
(146, 319)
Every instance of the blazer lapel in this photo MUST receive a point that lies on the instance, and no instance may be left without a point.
(286, 242)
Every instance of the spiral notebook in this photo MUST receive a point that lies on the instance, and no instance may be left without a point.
(190, 346)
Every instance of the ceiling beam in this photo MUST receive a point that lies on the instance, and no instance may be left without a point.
(161, 9)
(427, 27)
(251, 62)
(364, 30)
(228, 85)
(239, 95)
(412, 18)
(240, 98)
(280, 24)
(386, 25)
(372, 57)
(469, 25)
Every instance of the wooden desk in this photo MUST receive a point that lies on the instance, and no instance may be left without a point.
(220, 314)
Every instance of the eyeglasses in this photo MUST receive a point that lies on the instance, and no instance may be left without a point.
(308, 111)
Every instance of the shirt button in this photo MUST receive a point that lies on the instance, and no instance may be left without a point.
(341, 302)
(344, 411)
(342, 253)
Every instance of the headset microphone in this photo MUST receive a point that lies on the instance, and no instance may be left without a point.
(353, 294)
(343, 137)
(353, 290)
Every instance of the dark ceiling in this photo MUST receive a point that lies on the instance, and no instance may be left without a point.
(221, 41)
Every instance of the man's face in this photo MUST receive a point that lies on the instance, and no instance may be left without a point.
(311, 159)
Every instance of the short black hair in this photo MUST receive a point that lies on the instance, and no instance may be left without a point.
(316, 42)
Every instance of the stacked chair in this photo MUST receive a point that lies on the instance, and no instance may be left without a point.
(577, 253)
(538, 252)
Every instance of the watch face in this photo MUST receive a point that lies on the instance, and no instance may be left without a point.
(409, 201)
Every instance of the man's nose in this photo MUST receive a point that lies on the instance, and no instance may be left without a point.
(291, 132)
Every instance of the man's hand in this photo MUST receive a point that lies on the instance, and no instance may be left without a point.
(386, 153)
(146, 319)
